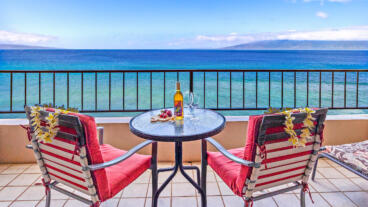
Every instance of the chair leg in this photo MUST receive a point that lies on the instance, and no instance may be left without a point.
(154, 170)
(95, 204)
(315, 168)
(204, 167)
(302, 198)
(48, 199)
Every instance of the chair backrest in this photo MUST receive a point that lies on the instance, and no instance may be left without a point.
(65, 159)
(281, 162)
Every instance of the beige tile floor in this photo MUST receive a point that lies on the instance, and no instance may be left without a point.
(20, 185)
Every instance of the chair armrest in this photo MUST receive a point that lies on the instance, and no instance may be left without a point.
(322, 149)
(232, 157)
(28, 146)
(121, 158)
(100, 131)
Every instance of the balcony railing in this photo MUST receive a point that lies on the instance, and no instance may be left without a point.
(141, 90)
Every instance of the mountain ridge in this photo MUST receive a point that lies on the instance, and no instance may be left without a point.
(22, 47)
(301, 45)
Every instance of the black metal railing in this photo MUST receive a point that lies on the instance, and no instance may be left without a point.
(141, 90)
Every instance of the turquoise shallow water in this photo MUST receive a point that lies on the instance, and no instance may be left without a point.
(182, 59)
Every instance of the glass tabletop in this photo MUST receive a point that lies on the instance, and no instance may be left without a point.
(198, 124)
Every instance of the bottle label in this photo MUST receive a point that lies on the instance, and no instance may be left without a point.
(178, 107)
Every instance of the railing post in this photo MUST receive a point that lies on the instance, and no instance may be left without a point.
(191, 81)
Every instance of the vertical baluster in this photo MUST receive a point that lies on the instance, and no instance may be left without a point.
(82, 90)
(217, 89)
(282, 89)
(204, 89)
(67, 90)
(123, 91)
(39, 87)
(256, 89)
(294, 89)
(345, 89)
(230, 89)
(25, 89)
(243, 89)
(191, 81)
(164, 89)
(357, 91)
(308, 88)
(109, 91)
(11, 91)
(53, 88)
(96, 88)
(269, 89)
(151, 90)
(137, 82)
(320, 90)
(332, 89)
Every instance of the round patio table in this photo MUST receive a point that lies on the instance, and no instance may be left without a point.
(197, 124)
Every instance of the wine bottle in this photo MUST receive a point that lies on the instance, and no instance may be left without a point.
(178, 103)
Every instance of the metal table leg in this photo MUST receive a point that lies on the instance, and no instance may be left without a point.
(179, 166)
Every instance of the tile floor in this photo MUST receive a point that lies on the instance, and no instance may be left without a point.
(20, 185)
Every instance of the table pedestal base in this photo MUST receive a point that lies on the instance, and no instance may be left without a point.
(179, 166)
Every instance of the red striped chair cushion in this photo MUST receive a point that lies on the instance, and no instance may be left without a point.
(93, 151)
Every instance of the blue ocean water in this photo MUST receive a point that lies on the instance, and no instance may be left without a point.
(181, 59)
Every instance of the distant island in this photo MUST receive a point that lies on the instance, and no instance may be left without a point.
(301, 45)
(22, 47)
(259, 45)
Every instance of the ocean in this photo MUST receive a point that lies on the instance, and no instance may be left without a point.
(182, 59)
(179, 59)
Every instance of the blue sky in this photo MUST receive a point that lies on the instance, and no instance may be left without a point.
(166, 24)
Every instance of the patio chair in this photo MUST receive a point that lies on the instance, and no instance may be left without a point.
(353, 157)
(77, 159)
(268, 159)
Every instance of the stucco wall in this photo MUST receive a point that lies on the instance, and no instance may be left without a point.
(339, 130)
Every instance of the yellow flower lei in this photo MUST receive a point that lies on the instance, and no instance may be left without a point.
(289, 126)
(306, 132)
(52, 123)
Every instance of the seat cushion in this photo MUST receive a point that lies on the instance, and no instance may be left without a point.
(354, 154)
(227, 169)
(124, 173)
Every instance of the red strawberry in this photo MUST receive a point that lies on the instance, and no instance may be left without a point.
(169, 113)
(165, 116)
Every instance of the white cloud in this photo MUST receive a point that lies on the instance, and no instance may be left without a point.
(322, 15)
(323, 1)
(24, 38)
(351, 33)
(340, 1)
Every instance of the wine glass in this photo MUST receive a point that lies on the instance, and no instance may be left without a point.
(193, 103)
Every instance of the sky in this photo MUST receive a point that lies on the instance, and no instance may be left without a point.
(177, 24)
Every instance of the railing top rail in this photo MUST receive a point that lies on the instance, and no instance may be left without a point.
(184, 70)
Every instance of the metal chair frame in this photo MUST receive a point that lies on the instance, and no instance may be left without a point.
(89, 167)
(220, 148)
